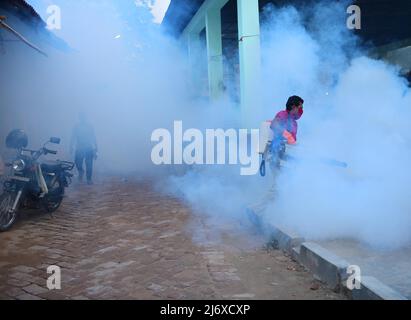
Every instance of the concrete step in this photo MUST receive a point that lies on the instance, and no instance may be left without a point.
(330, 268)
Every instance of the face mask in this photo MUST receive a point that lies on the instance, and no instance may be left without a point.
(297, 115)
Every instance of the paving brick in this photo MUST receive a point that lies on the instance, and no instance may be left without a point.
(17, 282)
(24, 269)
(35, 289)
(14, 292)
(124, 240)
(53, 295)
(27, 296)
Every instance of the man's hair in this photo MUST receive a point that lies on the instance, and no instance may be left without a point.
(293, 101)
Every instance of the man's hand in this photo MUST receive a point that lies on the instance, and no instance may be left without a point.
(289, 137)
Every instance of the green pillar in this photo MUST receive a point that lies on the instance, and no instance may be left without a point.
(194, 54)
(214, 52)
(250, 61)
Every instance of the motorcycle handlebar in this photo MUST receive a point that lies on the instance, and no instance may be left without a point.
(38, 153)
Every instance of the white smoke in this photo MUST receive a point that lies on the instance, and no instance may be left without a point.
(357, 110)
(131, 79)
(369, 200)
(122, 72)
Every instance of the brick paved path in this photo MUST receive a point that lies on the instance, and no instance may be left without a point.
(123, 240)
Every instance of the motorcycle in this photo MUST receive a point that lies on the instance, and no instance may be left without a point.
(32, 184)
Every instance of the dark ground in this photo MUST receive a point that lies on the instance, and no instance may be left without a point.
(122, 240)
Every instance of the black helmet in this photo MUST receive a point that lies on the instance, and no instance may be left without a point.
(17, 139)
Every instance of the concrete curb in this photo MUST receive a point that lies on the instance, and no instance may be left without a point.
(323, 264)
(284, 238)
(373, 289)
(332, 269)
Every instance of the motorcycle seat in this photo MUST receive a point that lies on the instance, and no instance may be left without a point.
(51, 166)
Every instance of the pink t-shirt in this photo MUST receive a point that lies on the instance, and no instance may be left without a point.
(288, 122)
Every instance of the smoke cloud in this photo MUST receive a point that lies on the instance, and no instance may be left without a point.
(356, 110)
(131, 79)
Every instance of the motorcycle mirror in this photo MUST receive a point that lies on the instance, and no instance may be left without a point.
(55, 140)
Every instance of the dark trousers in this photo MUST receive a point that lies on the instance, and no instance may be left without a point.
(87, 156)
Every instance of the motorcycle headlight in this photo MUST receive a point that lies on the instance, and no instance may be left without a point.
(18, 165)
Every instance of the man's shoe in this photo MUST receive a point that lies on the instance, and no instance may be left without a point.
(90, 182)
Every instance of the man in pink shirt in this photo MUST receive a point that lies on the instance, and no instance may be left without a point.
(285, 124)
(285, 128)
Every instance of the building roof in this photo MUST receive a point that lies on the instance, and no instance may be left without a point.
(22, 10)
(179, 14)
(26, 14)
(384, 21)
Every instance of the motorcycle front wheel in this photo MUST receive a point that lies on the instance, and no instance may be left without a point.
(7, 214)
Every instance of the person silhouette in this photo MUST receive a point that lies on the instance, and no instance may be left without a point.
(84, 144)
